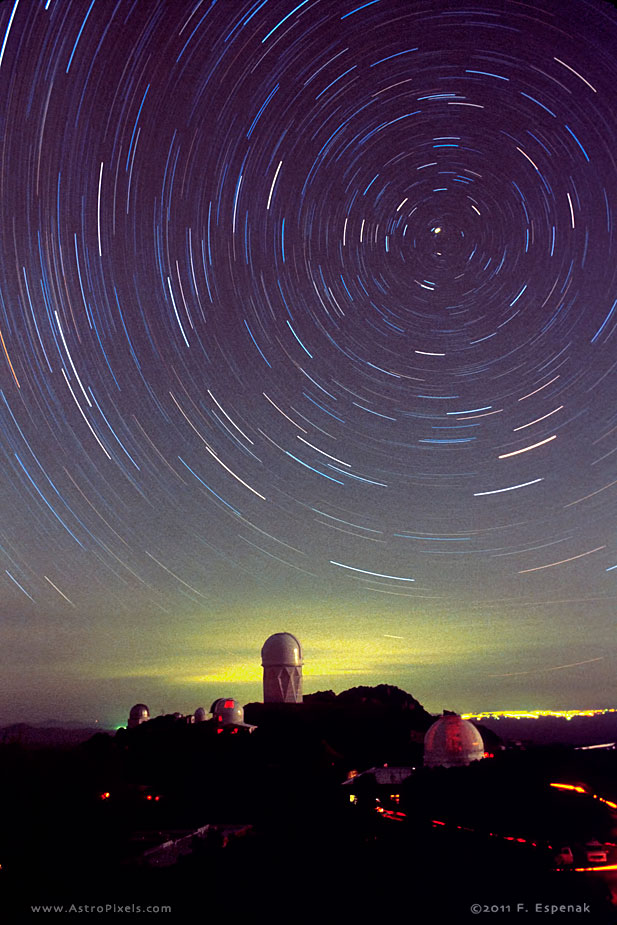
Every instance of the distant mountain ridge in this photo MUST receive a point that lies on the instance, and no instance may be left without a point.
(43, 735)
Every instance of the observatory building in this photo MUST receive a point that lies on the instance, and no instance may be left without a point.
(452, 742)
(281, 657)
(228, 712)
(139, 714)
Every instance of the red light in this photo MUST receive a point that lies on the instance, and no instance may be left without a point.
(149, 797)
(390, 814)
(218, 731)
(234, 732)
(106, 795)
(156, 799)
(228, 705)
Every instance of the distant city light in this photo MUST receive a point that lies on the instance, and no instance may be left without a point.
(536, 714)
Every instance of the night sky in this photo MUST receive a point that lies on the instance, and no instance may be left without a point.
(308, 321)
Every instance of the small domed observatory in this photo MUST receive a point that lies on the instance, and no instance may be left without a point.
(200, 715)
(281, 657)
(228, 713)
(452, 742)
(139, 714)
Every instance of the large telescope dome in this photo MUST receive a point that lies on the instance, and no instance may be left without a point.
(281, 649)
(281, 657)
(452, 742)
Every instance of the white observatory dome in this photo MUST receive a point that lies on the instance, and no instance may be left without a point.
(200, 715)
(139, 714)
(281, 649)
(452, 742)
(226, 712)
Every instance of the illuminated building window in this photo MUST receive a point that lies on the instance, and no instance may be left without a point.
(353, 798)
(395, 797)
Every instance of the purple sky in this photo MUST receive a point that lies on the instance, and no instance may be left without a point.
(307, 318)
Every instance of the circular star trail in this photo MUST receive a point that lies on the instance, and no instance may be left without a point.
(308, 302)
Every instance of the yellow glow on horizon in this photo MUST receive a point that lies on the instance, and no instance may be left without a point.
(344, 659)
(229, 674)
(418, 647)
(330, 659)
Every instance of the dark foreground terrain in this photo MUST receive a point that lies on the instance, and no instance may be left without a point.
(274, 825)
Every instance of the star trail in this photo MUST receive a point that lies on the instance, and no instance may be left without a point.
(307, 323)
